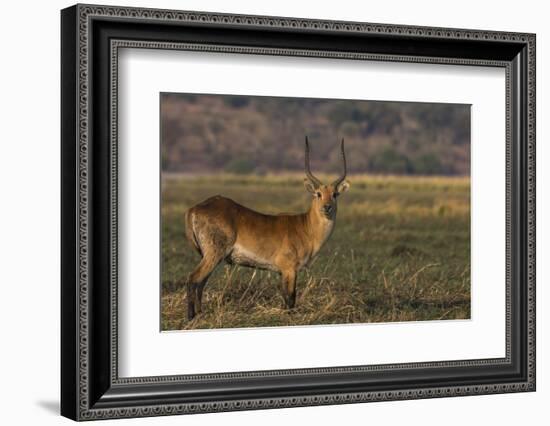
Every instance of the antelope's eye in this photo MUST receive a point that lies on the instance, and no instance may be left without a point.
(318, 194)
(335, 194)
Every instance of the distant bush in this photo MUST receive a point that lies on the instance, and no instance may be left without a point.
(349, 128)
(427, 164)
(236, 101)
(190, 98)
(346, 111)
(390, 161)
(241, 166)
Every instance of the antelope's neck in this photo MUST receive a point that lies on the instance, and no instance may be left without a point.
(319, 227)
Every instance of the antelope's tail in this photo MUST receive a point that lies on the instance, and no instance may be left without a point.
(190, 231)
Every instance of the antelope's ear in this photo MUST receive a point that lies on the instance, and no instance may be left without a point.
(343, 187)
(310, 187)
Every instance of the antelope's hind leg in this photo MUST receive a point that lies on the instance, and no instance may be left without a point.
(213, 238)
(195, 284)
(197, 280)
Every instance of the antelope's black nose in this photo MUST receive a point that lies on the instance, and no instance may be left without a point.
(327, 209)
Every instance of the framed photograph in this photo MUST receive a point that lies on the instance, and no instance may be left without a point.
(263, 212)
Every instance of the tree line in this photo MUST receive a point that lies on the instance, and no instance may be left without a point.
(253, 134)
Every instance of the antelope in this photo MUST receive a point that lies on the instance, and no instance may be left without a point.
(222, 230)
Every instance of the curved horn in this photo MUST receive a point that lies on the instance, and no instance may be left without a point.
(343, 176)
(309, 175)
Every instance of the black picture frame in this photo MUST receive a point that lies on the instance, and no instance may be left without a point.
(90, 386)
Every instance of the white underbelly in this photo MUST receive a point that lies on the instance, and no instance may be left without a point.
(241, 256)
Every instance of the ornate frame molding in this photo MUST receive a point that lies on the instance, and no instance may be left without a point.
(83, 15)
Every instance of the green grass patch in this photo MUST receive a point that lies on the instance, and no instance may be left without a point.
(400, 251)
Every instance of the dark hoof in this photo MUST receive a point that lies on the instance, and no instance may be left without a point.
(291, 303)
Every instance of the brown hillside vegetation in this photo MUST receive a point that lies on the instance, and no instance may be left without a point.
(252, 134)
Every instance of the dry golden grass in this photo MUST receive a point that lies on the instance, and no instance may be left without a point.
(400, 252)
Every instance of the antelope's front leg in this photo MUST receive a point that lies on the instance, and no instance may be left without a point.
(289, 288)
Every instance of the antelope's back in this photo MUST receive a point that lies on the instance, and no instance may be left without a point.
(222, 216)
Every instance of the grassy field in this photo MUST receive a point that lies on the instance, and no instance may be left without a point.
(400, 251)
